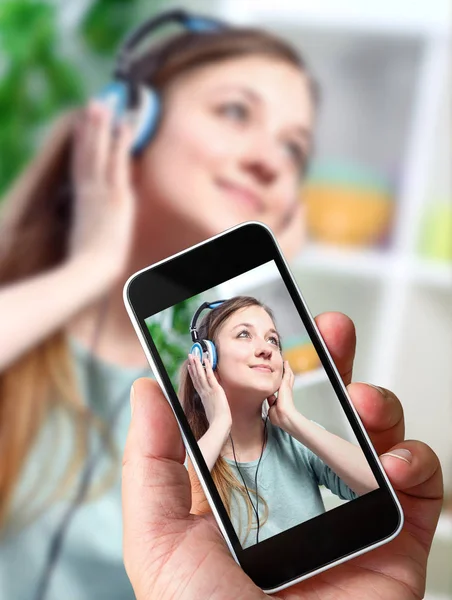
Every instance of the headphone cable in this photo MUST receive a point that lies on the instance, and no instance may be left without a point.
(256, 511)
(257, 469)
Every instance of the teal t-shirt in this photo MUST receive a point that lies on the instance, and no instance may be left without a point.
(90, 565)
(288, 480)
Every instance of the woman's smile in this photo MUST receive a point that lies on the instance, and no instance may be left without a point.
(262, 368)
(242, 194)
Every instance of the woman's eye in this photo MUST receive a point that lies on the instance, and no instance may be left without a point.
(245, 332)
(296, 154)
(234, 110)
(274, 340)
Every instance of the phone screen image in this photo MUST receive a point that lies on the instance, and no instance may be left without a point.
(257, 396)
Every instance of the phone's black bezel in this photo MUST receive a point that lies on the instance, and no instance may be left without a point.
(327, 538)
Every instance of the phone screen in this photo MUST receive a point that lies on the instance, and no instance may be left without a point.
(277, 440)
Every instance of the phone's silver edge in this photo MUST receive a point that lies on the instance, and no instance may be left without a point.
(188, 449)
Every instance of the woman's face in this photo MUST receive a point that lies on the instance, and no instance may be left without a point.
(230, 148)
(250, 360)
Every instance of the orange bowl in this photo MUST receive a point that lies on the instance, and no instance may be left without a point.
(347, 216)
(302, 358)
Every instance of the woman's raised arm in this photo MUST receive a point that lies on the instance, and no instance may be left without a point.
(33, 309)
(99, 240)
(216, 406)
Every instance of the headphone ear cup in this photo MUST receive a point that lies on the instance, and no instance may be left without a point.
(210, 349)
(143, 117)
(197, 350)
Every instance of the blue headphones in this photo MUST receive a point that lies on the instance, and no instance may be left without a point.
(202, 347)
(132, 99)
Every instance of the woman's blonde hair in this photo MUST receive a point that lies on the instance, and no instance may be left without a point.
(34, 231)
(225, 480)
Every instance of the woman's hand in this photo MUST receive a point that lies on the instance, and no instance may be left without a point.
(169, 552)
(282, 407)
(104, 205)
(210, 391)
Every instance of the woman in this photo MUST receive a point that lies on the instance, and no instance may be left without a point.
(238, 111)
(238, 114)
(224, 409)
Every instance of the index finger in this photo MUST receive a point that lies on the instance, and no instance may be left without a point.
(381, 413)
(210, 376)
(338, 332)
(119, 168)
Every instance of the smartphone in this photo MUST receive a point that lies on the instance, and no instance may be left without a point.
(301, 489)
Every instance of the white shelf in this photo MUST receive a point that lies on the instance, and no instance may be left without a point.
(374, 264)
(403, 17)
(444, 529)
(432, 274)
(310, 378)
(368, 263)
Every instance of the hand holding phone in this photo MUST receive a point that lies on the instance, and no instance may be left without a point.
(300, 538)
(167, 549)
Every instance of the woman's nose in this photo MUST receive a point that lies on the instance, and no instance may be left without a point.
(263, 349)
(260, 159)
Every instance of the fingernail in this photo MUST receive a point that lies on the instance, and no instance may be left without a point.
(132, 399)
(376, 387)
(400, 453)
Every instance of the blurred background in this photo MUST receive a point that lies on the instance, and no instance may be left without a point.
(379, 192)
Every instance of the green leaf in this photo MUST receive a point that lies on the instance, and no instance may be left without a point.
(25, 26)
(106, 23)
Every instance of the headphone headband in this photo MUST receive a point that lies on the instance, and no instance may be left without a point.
(190, 22)
(204, 305)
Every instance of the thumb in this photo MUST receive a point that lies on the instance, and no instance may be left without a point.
(155, 483)
(153, 430)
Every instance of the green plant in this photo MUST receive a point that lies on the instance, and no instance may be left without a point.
(39, 75)
(37, 80)
(106, 22)
(172, 339)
